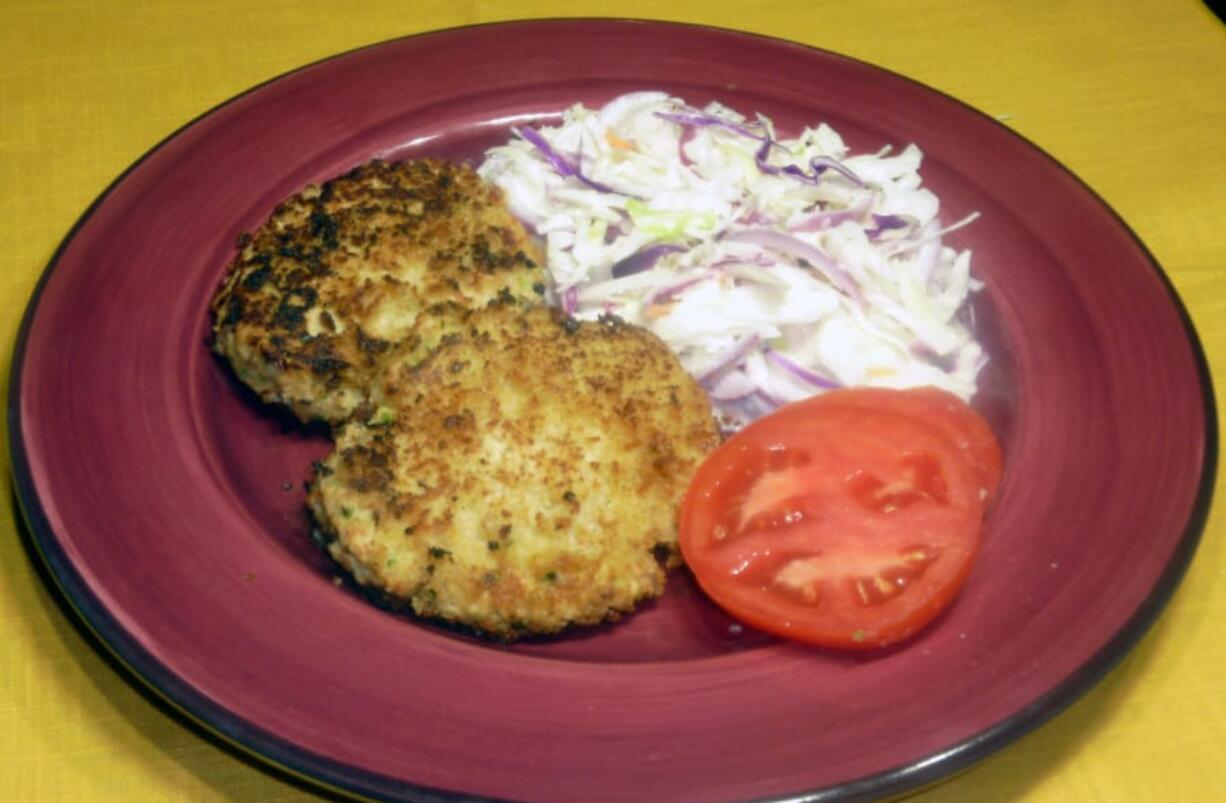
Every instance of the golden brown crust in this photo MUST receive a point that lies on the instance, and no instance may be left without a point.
(523, 478)
(340, 273)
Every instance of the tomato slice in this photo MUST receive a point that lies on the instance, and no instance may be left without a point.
(838, 524)
(938, 408)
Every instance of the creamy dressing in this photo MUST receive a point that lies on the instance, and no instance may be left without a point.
(788, 266)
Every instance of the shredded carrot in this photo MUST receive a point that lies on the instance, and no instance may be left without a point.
(618, 142)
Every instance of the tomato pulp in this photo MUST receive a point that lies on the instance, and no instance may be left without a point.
(848, 520)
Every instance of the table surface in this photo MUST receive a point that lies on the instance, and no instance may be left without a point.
(1129, 95)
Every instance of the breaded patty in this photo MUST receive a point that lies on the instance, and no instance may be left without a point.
(524, 477)
(340, 272)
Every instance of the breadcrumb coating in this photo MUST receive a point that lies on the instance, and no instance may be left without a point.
(522, 478)
(339, 274)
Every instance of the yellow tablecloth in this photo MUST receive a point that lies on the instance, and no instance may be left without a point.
(1130, 95)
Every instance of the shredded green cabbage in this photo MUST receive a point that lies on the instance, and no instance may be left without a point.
(794, 266)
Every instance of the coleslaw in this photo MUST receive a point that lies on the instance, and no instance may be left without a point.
(775, 268)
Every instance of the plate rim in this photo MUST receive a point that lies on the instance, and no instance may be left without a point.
(250, 741)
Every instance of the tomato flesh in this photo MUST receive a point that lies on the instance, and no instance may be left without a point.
(938, 408)
(840, 524)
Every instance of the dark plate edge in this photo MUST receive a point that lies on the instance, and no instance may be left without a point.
(150, 675)
(929, 770)
(144, 672)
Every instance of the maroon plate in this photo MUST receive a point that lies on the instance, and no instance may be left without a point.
(168, 504)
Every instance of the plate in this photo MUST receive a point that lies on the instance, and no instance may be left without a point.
(168, 504)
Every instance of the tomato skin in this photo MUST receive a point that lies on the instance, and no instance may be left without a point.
(938, 408)
(841, 524)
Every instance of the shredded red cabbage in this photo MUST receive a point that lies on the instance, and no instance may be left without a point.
(644, 259)
(791, 246)
(820, 221)
(770, 398)
(665, 293)
(740, 261)
(560, 162)
(884, 223)
(817, 165)
(820, 164)
(704, 120)
(756, 217)
(799, 371)
(730, 358)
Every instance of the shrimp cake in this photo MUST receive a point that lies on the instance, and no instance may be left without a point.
(524, 477)
(338, 275)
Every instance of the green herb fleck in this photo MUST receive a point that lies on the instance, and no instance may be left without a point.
(384, 416)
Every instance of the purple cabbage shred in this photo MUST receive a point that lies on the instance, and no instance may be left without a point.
(561, 163)
(644, 259)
